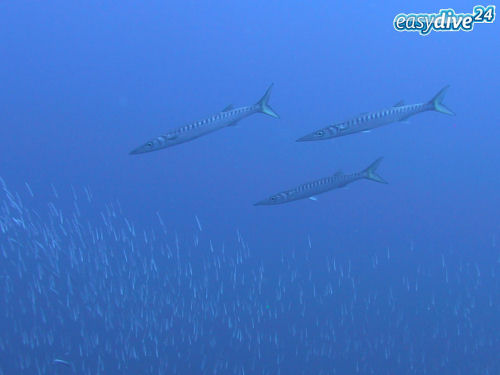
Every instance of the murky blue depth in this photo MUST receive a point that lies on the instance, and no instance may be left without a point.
(159, 263)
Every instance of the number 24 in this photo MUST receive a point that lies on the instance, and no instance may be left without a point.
(482, 14)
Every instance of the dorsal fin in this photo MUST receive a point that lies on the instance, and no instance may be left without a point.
(399, 104)
(338, 173)
(228, 108)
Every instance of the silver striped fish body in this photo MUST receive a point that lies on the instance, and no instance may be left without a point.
(228, 116)
(312, 188)
(197, 129)
(367, 121)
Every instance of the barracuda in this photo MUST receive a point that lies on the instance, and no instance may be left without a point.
(372, 120)
(323, 185)
(227, 117)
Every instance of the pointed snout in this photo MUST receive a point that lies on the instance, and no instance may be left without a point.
(138, 150)
(304, 139)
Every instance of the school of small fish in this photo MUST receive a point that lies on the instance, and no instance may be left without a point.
(88, 291)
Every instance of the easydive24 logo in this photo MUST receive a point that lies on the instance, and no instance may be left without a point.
(445, 20)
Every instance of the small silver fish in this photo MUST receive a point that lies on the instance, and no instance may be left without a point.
(64, 363)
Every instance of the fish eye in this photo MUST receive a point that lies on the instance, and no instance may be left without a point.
(273, 198)
(149, 144)
(320, 133)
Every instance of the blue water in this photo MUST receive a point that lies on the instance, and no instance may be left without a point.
(105, 266)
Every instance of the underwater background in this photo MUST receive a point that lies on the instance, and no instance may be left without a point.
(160, 263)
